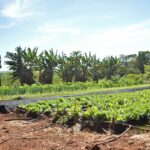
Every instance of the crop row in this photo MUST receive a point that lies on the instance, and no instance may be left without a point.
(39, 88)
(122, 106)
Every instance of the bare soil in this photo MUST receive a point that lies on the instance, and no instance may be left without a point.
(19, 133)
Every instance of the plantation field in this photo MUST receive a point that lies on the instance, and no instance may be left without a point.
(123, 107)
(8, 93)
(39, 90)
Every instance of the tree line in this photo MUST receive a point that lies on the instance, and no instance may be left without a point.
(77, 67)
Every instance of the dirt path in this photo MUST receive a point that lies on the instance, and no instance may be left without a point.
(55, 137)
(12, 104)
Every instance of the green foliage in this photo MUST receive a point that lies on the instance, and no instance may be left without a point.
(77, 67)
(122, 106)
(146, 76)
(134, 76)
(111, 66)
(20, 63)
(47, 88)
(6, 79)
(147, 68)
(47, 62)
(142, 59)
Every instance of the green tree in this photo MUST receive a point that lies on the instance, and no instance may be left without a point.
(65, 68)
(48, 60)
(75, 58)
(96, 68)
(18, 65)
(31, 58)
(142, 59)
(84, 68)
(110, 66)
(74, 67)
(128, 64)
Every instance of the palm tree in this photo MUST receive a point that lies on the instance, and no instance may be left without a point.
(65, 68)
(84, 67)
(96, 72)
(48, 60)
(110, 66)
(18, 64)
(75, 58)
(76, 67)
(31, 58)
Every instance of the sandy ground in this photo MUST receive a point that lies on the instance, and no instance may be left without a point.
(40, 135)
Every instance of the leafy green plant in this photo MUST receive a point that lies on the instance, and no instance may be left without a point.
(122, 106)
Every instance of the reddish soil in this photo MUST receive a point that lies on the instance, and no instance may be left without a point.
(19, 135)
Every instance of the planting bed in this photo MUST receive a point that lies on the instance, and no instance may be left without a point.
(123, 107)
(21, 135)
(117, 121)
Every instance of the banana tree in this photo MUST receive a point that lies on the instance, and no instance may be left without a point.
(18, 65)
(31, 58)
(110, 66)
(65, 68)
(75, 57)
(96, 65)
(84, 69)
(48, 60)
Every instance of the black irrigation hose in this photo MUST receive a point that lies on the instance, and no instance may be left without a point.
(12, 104)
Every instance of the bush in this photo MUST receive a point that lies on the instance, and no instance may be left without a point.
(135, 76)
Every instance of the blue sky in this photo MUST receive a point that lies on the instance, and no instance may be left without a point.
(104, 27)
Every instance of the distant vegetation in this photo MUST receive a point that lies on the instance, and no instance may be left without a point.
(29, 67)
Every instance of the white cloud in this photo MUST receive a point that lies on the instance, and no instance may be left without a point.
(58, 27)
(126, 39)
(39, 41)
(113, 41)
(50, 34)
(18, 9)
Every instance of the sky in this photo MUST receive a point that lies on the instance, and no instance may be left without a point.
(104, 27)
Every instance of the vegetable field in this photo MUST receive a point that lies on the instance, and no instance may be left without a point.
(123, 107)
